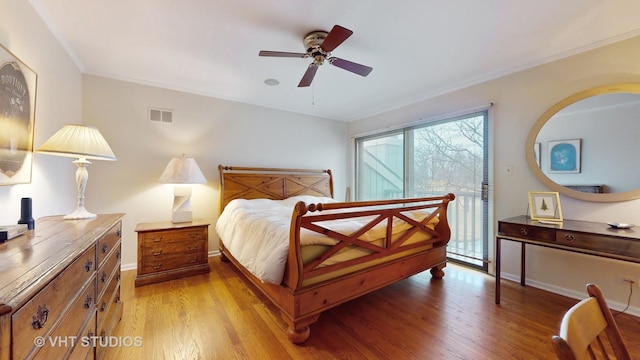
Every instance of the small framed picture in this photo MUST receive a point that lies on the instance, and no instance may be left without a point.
(545, 206)
(564, 156)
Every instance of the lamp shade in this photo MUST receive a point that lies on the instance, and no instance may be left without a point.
(182, 170)
(78, 141)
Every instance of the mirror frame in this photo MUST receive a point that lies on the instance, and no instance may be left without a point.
(533, 134)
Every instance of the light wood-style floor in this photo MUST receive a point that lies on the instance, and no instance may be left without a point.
(221, 316)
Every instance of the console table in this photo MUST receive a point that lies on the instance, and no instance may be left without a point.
(585, 237)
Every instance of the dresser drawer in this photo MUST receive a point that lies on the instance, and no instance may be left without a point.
(84, 350)
(530, 232)
(603, 244)
(78, 314)
(109, 296)
(114, 314)
(108, 242)
(109, 266)
(172, 237)
(167, 263)
(40, 313)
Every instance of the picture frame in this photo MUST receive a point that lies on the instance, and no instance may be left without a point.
(18, 86)
(565, 156)
(545, 206)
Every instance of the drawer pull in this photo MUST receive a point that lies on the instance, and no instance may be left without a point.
(156, 239)
(119, 232)
(191, 261)
(192, 247)
(105, 248)
(41, 317)
(194, 235)
(89, 265)
(569, 238)
(103, 307)
(103, 278)
(156, 267)
(88, 302)
(156, 253)
(118, 255)
(524, 231)
(118, 276)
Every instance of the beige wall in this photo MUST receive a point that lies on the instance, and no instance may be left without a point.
(212, 131)
(59, 93)
(520, 99)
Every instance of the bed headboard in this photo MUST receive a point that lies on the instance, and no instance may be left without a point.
(271, 183)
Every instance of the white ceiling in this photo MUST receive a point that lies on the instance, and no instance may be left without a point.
(417, 48)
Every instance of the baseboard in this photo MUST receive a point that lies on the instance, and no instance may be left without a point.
(616, 306)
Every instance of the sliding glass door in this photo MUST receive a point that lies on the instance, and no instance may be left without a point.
(433, 159)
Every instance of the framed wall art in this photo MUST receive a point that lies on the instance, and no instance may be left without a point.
(17, 117)
(545, 206)
(564, 156)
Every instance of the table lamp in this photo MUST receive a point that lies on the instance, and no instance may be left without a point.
(84, 143)
(182, 170)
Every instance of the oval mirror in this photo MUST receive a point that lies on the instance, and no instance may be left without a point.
(584, 146)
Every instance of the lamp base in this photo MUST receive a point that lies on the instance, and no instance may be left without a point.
(80, 213)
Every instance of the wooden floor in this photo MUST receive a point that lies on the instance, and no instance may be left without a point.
(220, 316)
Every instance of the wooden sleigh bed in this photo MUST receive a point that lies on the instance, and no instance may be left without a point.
(312, 283)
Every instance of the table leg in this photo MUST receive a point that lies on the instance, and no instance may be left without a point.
(497, 295)
(522, 264)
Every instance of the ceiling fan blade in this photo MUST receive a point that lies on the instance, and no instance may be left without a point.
(307, 78)
(355, 68)
(281, 54)
(336, 36)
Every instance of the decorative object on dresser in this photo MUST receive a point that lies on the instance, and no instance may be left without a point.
(26, 214)
(85, 143)
(586, 237)
(169, 251)
(11, 231)
(545, 206)
(180, 171)
(17, 106)
(60, 289)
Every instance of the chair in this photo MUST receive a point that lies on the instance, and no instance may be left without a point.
(583, 329)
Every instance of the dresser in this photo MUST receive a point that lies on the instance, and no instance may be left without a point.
(169, 250)
(60, 288)
(586, 237)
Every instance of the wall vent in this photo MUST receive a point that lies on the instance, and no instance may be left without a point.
(161, 115)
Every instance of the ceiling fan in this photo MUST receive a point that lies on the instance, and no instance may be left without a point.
(319, 45)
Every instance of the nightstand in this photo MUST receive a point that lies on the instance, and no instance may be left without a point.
(169, 250)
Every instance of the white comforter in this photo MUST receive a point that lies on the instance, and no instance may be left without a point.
(256, 232)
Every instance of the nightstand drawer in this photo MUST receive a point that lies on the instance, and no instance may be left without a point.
(151, 251)
(530, 232)
(167, 263)
(172, 237)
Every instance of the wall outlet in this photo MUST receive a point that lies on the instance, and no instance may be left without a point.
(626, 279)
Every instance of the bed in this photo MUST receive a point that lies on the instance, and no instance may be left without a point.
(326, 252)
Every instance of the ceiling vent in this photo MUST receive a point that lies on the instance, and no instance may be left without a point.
(161, 115)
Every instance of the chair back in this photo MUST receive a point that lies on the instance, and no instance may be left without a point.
(589, 331)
